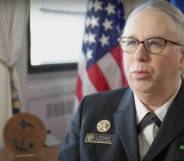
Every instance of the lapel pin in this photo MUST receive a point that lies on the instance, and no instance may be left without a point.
(181, 147)
(103, 126)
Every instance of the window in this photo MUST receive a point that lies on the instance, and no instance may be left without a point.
(55, 35)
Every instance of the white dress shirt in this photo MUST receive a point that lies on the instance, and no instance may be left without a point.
(146, 136)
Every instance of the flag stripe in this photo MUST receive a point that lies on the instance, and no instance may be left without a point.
(116, 53)
(111, 71)
(79, 88)
(87, 86)
(125, 83)
(118, 56)
(97, 78)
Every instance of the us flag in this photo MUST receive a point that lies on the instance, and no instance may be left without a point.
(100, 67)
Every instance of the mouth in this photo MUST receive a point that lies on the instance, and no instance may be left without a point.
(140, 74)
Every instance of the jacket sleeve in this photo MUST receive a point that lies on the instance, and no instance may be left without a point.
(70, 148)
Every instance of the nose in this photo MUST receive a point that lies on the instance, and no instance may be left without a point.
(140, 53)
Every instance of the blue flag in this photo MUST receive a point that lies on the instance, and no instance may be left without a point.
(179, 4)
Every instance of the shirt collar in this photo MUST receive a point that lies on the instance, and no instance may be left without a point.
(161, 111)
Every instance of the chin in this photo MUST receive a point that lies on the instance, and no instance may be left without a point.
(141, 87)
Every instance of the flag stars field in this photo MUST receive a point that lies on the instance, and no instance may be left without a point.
(110, 9)
(104, 40)
(107, 24)
(85, 38)
(89, 54)
(97, 6)
(94, 21)
(90, 5)
(91, 38)
(87, 22)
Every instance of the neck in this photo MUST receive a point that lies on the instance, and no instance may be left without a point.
(153, 101)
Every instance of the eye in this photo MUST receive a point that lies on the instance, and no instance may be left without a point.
(156, 43)
(129, 42)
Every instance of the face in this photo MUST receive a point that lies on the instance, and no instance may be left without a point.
(150, 73)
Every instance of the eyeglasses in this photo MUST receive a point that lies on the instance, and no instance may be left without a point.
(154, 45)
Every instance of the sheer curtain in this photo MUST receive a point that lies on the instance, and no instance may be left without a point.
(13, 24)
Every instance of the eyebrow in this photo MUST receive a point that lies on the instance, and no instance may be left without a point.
(150, 36)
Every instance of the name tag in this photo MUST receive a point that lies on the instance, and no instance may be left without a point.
(98, 138)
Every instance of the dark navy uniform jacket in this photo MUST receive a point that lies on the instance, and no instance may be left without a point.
(118, 108)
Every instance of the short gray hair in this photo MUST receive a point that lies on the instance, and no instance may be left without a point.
(166, 7)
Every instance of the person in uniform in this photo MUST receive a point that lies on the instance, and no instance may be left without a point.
(145, 121)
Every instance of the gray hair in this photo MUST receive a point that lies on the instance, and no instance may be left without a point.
(173, 12)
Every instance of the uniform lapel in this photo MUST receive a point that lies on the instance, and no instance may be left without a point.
(125, 123)
(171, 127)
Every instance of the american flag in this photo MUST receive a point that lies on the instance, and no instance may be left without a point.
(100, 67)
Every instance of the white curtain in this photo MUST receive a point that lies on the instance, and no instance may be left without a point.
(13, 26)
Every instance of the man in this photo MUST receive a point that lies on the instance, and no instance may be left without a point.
(146, 121)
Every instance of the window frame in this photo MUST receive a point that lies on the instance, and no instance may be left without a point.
(58, 67)
(48, 67)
